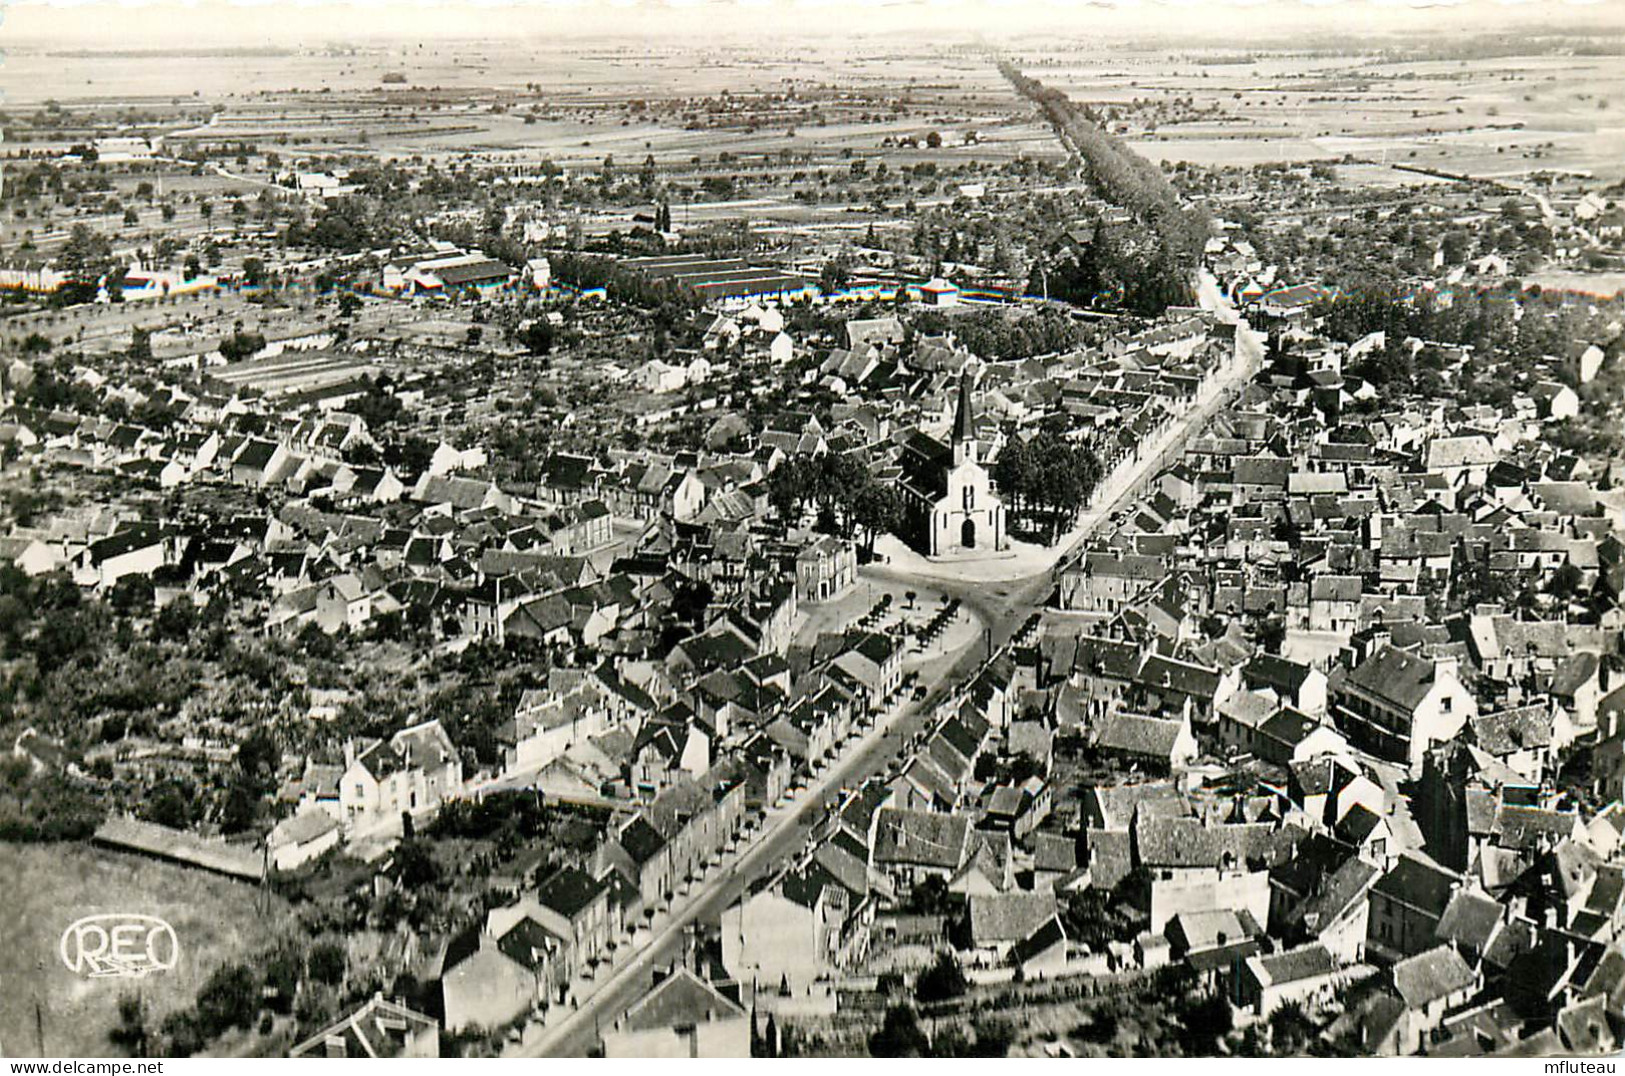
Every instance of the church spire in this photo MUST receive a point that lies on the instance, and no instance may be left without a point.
(964, 421)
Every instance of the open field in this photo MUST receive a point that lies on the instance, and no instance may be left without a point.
(1505, 116)
(1602, 285)
(50, 886)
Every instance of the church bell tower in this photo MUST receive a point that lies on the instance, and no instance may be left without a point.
(964, 424)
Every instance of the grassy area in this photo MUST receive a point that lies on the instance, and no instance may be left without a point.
(48, 887)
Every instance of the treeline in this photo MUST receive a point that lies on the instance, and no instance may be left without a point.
(1115, 272)
(1508, 323)
(995, 334)
(1121, 175)
(850, 503)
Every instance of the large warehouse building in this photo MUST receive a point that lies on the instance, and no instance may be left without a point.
(728, 281)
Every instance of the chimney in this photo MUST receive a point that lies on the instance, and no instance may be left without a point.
(1447, 666)
(349, 753)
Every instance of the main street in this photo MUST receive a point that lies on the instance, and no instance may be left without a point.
(785, 833)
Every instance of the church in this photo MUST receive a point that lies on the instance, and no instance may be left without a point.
(949, 504)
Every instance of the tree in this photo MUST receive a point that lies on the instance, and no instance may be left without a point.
(1291, 1030)
(241, 809)
(899, 1035)
(326, 963)
(230, 998)
(929, 897)
(282, 971)
(877, 510)
(1203, 1023)
(787, 490)
(1271, 634)
(537, 337)
(417, 866)
(241, 345)
(86, 254)
(933, 140)
(257, 757)
(140, 345)
(691, 601)
(169, 806)
(942, 981)
(131, 1031)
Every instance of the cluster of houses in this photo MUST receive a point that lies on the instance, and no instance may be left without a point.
(1408, 825)
(1310, 768)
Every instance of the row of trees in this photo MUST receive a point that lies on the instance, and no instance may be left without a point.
(1121, 175)
(1046, 480)
(849, 502)
(996, 335)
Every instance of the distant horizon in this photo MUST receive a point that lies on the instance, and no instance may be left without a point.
(132, 27)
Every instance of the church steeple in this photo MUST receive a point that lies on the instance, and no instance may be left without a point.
(964, 423)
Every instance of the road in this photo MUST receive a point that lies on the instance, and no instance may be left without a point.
(579, 1034)
(1003, 608)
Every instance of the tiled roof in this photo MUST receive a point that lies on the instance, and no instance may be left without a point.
(1432, 976)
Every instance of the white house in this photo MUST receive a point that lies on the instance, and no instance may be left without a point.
(1555, 400)
(1396, 705)
(343, 602)
(413, 772)
(297, 840)
(782, 349)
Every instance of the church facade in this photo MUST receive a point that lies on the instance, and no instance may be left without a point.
(950, 506)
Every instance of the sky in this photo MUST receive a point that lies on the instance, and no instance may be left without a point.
(132, 24)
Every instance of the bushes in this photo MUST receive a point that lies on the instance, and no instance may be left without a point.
(899, 1035)
(43, 807)
(326, 963)
(942, 981)
(230, 998)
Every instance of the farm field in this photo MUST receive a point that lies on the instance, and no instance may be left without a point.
(1500, 117)
(1601, 285)
(216, 920)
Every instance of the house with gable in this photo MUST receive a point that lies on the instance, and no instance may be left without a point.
(413, 772)
(1397, 704)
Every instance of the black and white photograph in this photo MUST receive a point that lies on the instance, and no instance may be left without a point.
(812, 529)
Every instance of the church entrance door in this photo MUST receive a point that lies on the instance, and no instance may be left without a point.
(967, 534)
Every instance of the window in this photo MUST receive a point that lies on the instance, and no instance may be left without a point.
(1445, 703)
(970, 498)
